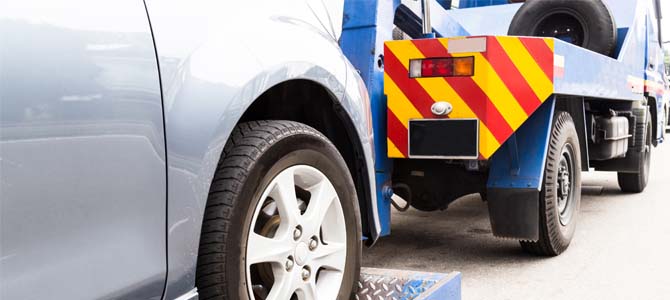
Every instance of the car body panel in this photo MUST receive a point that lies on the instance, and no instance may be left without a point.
(215, 58)
(82, 152)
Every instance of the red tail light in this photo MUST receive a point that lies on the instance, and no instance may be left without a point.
(442, 67)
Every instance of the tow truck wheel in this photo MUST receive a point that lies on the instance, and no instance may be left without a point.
(667, 120)
(561, 190)
(282, 219)
(637, 182)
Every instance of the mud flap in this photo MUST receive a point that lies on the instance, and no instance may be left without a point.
(516, 176)
(514, 213)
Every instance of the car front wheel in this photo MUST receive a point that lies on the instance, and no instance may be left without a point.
(282, 219)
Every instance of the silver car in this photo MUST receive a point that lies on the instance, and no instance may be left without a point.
(181, 150)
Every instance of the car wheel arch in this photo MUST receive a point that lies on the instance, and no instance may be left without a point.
(312, 103)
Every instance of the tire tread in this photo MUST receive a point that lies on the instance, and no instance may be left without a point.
(550, 242)
(247, 143)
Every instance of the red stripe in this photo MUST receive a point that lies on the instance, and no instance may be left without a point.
(510, 75)
(542, 54)
(410, 87)
(470, 92)
(397, 132)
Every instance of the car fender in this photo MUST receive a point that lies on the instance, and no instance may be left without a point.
(213, 65)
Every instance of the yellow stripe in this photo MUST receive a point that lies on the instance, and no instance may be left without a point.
(529, 69)
(393, 150)
(398, 103)
(438, 88)
(404, 51)
(497, 91)
(488, 143)
(489, 81)
(550, 43)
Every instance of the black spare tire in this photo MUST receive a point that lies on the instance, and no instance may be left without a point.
(586, 23)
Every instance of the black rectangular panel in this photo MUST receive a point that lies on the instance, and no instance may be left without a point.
(444, 138)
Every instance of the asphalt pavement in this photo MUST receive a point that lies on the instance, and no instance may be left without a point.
(621, 249)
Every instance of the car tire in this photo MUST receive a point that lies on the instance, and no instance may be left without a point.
(590, 22)
(560, 196)
(637, 182)
(264, 189)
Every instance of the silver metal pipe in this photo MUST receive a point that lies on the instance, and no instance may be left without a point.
(425, 20)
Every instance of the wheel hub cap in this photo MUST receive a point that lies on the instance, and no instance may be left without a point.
(308, 230)
(564, 185)
(301, 254)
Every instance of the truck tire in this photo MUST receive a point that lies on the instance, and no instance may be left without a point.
(281, 220)
(667, 120)
(561, 190)
(637, 182)
(585, 23)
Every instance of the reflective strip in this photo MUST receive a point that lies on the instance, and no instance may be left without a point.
(392, 149)
(400, 106)
(530, 70)
(469, 92)
(512, 77)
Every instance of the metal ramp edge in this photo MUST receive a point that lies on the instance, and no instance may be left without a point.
(388, 284)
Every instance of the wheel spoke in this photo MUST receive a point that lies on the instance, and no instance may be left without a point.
(331, 256)
(322, 198)
(287, 203)
(283, 288)
(262, 249)
(307, 291)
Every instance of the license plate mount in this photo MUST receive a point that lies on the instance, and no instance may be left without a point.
(443, 138)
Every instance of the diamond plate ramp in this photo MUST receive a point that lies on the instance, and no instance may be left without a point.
(387, 284)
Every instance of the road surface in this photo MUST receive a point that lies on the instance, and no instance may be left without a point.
(621, 249)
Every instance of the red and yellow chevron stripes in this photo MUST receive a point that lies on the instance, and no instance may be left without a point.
(512, 78)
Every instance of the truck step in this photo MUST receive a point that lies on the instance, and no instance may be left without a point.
(387, 284)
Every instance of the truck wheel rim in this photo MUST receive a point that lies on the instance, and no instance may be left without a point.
(305, 254)
(563, 25)
(565, 185)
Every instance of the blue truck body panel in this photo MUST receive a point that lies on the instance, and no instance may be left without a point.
(520, 162)
(366, 25)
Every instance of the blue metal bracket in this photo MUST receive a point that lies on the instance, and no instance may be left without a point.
(480, 3)
(367, 25)
(446, 4)
(520, 162)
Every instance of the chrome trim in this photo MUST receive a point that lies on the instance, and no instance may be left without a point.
(425, 11)
(409, 144)
(191, 295)
(441, 108)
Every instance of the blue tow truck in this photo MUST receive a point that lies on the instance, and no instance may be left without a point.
(509, 99)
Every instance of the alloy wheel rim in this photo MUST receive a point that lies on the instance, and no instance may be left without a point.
(296, 247)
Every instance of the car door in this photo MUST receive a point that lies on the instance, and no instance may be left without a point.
(82, 152)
